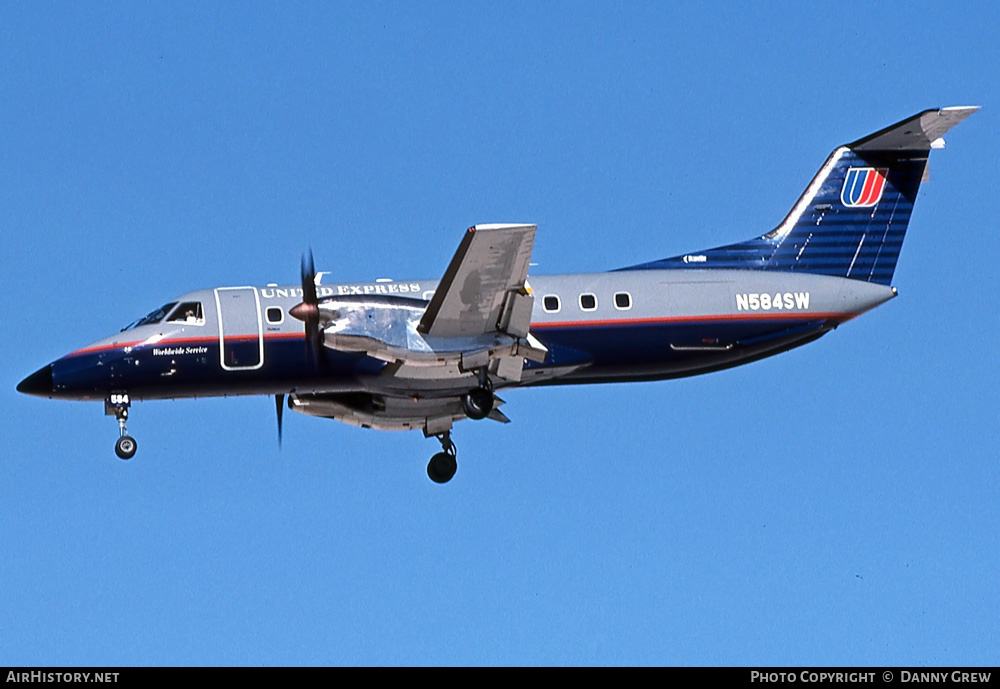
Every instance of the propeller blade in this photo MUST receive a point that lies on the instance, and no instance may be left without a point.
(308, 310)
(308, 273)
(279, 405)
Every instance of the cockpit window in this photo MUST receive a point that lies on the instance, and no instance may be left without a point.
(152, 317)
(188, 312)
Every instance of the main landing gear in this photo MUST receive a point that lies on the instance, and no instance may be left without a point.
(443, 465)
(478, 403)
(117, 403)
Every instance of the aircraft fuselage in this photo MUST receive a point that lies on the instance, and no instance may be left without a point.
(599, 327)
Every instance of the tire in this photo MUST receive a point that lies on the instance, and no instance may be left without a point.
(125, 447)
(442, 467)
(478, 403)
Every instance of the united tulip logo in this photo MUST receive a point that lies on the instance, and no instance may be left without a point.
(863, 186)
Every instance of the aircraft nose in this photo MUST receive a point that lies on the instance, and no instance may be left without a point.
(38, 383)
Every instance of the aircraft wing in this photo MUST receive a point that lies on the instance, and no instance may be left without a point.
(484, 288)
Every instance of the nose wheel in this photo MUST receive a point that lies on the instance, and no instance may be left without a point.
(443, 465)
(125, 447)
(118, 403)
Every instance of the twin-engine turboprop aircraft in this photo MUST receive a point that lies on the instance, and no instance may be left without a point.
(423, 354)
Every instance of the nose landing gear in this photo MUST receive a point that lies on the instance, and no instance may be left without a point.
(117, 404)
(125, 447)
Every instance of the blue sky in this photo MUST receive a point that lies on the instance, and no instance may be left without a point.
(835, 505)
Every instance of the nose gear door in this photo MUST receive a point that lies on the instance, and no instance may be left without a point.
(241, 335)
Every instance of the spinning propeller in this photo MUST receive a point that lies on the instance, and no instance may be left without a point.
(307, 312)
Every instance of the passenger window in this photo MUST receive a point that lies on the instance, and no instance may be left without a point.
(189, 313)
(274, 315)
(588, 302)
(550, 303)
(623, 301)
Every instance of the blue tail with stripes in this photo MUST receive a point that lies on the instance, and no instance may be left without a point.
(851, 220)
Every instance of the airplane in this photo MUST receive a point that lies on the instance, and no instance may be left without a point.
(423, 354)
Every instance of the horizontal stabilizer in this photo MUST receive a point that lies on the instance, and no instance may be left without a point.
(918, 133)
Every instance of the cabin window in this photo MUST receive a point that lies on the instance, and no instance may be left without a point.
(274, 315)
(623, 301)
(189, 313)
(550, 303)
(588, 302)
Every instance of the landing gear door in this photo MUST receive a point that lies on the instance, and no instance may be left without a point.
(241, 337)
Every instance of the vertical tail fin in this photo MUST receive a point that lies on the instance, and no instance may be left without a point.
(851, 220)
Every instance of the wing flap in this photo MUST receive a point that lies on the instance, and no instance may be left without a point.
(475, 295)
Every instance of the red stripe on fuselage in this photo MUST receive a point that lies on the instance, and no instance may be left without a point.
(604, 323)
(174, 341)
(104, 347)
(796, 316)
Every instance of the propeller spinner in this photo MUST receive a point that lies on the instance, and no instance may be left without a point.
(308, 310)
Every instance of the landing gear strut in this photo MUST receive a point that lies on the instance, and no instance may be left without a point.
(443, 465)
(478, 403)
(118, 404)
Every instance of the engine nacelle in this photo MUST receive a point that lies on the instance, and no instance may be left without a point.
(385, 413)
